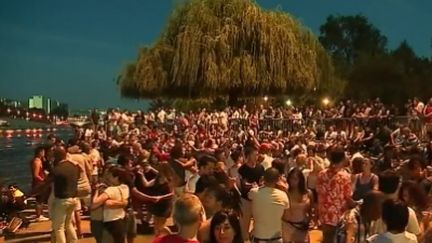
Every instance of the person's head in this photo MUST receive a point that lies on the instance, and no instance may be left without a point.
(251, 154)
(204, 182)
(357, 165)
(279, 165)
(372, 204)
(301, 160)
(206, 165)
(215, 199)
(237, 156)
(188, 212)
(117, 176)
(413, 195)
(337, 156)
(220, 155)
(271, 177)
(415, 167)
(296, 181)
(59, 154)
(177, 151)
(125, 161)
(225, 228)
(395, 215)
(39, 152)
(388, 182)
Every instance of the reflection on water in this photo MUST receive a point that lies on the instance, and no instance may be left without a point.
(16, 151)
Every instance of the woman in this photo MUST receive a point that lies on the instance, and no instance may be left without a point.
(225, 228)
(365, 181)
(118, 190)
(356, 223)
(295, 224)
(163, 187)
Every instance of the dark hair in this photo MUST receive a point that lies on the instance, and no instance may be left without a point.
(271, 175)
(38, 150)
(388, 182)
(123, 175)
(177, 150)
(219, 192)
(123, 159)
(204, 182)
(372, 204)
(357, 165)
(249, 150)
(279, 165)
(205, 160)
(336, 155)
(236, 154)
(415, 162)
(395, 215)
(416, 194)
(302, 181)
(219, 218)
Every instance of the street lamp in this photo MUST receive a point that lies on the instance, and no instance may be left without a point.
(288, 102)
(8, 110)
(265, 98)
(326, 101)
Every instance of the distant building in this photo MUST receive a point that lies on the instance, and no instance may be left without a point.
(36, 102)
(47, 104)
(11, 103)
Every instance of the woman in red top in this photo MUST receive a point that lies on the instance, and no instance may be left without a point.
(38, 178)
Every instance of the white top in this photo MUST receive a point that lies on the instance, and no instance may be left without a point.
(118, 193)
(267, 162)
(268, 206)
(388, 237)
(379, 227)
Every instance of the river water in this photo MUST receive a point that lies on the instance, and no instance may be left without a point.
(17, 149)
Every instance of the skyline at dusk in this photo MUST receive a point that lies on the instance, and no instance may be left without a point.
(73, 51)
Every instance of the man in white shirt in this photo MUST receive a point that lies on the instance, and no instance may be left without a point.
(268, 206)
(395, 216)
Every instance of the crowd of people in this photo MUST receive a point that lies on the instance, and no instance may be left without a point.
(239, 175)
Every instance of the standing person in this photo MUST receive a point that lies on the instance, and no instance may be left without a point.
(334, 193)
(296, 220)
(114, 218)
(250, 174)
(365, 181)
(188, 214)
(267, 224)
(427, 112)
(395, 215)
(180, 164)
(65, 186)
(38, 178)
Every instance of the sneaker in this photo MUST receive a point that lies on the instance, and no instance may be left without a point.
(42, 219)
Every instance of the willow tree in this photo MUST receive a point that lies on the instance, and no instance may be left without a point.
(230, 48)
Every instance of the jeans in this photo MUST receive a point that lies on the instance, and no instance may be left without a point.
(61, 219)
(96, 228)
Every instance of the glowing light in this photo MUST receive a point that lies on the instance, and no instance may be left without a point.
(288, 102)
(326, 101)
(265, 98)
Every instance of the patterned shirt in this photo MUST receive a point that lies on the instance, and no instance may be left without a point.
(334, 190)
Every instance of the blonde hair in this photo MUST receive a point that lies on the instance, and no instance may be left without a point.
(188, 210)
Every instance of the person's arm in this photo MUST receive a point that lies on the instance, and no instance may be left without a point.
(375, 181)
(36, 167)
(144, 197)
(186, 164)
(99, 199)
(115, 203)
(144, 180)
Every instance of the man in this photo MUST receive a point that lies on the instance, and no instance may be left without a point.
(388, 183)
(206, 166)
(267, 225)
(187, 215)
(250, 175)
(427, 112)
(65, 178)
(334, 193)
(395, 216)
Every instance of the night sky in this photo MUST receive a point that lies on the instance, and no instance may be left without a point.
(73, 50)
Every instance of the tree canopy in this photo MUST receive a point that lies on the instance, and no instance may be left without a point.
(213, 48)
